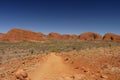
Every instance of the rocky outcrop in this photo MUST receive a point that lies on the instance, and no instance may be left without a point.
(90, 36)
(1, 35)
(21, 35)
(66, 36)
(69, 37)
(54, 35)
(74, 36)
(17, 35)
(111, 36)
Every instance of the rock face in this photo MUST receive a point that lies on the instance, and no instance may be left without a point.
(69, 37)
(21, 35)
(17, 35)
(74, 36)
(57, 36)
(90, 36)
(66, 36)
(54, 35)
(1, 35)
(111, 36)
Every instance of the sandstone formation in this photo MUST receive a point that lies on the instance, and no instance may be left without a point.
(111, 36)
(90, 36)
(66, 36)
(69, 37)
(17, 35)
(1, 35)
(74, 36)
(21, 35)
(57, 36)
(54, 35)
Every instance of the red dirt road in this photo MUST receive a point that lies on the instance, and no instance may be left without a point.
(51, 69)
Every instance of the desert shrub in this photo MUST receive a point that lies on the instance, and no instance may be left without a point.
(30, 48)
(31, 51)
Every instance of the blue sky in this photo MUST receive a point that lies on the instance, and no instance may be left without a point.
(62, 16)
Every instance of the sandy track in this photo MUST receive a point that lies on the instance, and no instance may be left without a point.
(53, 68)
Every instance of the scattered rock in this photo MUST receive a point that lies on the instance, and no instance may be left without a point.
(104, 76)
(66, 59)
(22, 75)
(76, 68)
